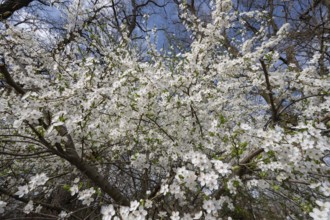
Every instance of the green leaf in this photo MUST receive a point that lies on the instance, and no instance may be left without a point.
(66, 187)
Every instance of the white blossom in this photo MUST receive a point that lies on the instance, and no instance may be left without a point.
(28, 208)
(63, 215)
(86, 196)
(2, 206)
(107, 212)
(175, 216)
(322, 213)
(22, 190)
(38, 180)
(74, 189)
(134, 205)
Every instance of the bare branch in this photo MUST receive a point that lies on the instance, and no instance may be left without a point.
(10, 6)
(9, 79)
(269, 91)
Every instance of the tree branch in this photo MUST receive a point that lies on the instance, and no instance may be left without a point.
(46, 205)
(10, 6)
(298, 100)
(9, 79)
(90, 171)
(269, 90)
(243, 164)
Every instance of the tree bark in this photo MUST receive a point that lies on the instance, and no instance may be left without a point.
(10, 6)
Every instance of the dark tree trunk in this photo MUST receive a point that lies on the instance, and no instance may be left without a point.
(8, 7)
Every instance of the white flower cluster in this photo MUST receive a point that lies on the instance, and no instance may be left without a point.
(30, 116)
(139, 161)
(209, 180)
(37, 180)
(207, 176)
(107, 212)
(188, 124)
(74, 189)
(28, 207)
(321, 213)
(135, 211)
(2, 206)
(222, 168)
(187, 177)
(86, 196)
(233, 184)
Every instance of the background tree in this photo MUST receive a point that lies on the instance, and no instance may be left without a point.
(98, 121)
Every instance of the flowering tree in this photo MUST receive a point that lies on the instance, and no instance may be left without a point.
(91, 130)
